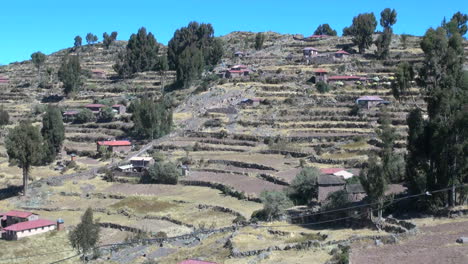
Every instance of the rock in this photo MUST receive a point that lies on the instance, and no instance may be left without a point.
(462, 240)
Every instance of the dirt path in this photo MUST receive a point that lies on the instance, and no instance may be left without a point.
(434, 244)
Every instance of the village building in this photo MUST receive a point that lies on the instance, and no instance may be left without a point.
(115, 145)
(140, 163)
(95, 108)
(14, 217)
(237, 71)
(308, 53)
(370, 101)
(98, 73)
(320, 75)
(239, 54)
(70, 115)
(317, 37)
(339, 172)
(4, 79)
(28, 228)
(119, 109)
(341, 54)
(328, 184)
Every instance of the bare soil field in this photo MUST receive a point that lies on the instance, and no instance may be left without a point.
(434, 244)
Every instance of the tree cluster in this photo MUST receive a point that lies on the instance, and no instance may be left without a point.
(91, 38)
(140, 55)
(191, 50)
(107, 39)
(152, 119)
(362, 29)
(438, 146)
(325, 29)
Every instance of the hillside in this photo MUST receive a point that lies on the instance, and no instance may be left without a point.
(235, 150)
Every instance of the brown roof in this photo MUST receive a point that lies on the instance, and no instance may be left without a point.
(330, 180)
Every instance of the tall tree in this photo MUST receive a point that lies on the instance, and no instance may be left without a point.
(374, 183)
(259, 39)
(162, 66)
(457, 24)
(141, 54)
(446, 92)
(191, 50)
(85, 236)
(4, 116)
(24, 146)
(70, 74)
(325, 29)
(388, 17)
(151, 119)
(78, 41)
(38, 59)
(404, 75)
(53, 132)
(362, 29)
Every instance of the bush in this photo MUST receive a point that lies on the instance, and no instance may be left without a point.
(107, 114)
(164, 173)
(304, 186)
(239, 220)
(259, 215)
(274, 204)
(4, 117)
(322, 87)
(84, 116)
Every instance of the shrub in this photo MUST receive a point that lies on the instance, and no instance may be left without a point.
(164, 173)
(322, 87)
(84, 116)
(240, 219)
(259, 215)
(274, 204)
(304, 186)
(107, 114)
(4, 117)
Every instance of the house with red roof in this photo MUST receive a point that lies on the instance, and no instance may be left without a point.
(28, 228)
(95, 108)
(115, 145)
(98, 73)
(320, 75)
(194, 261)
(14, 217)
(237, 71)
(341, 54)
(4, 79)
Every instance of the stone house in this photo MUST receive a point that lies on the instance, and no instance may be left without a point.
(328, 184)
(116, 146)
(237, 71)
(308, 53)
(369, 101)
(95, 108)
(98, 73)
(341, 55)
(140, 163)
(320, 75)
(70, 115)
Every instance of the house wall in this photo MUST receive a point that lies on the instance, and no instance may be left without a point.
(14, 235)
(325, 190)
(119, 149)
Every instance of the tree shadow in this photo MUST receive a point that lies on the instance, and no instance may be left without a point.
(10, 191)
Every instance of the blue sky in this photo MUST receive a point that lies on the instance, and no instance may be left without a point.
(27, 26)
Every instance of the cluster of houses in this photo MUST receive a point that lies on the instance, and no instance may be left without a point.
(334, 179)
(15, 225)
(70, 115)
(310, 55)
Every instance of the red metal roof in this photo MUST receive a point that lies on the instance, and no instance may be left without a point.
(331, 170)
(115, 143)
(20, 214)
(29, 225)
(94, 105)
(342, 52)
(117, 105)
(369, 98)
(320, 71)
(193, 261)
